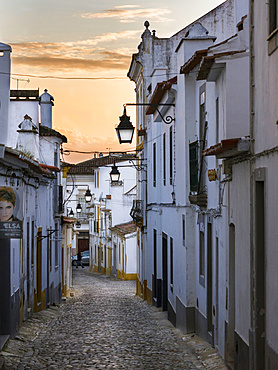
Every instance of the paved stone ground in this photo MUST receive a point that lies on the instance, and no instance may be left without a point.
(105, 326)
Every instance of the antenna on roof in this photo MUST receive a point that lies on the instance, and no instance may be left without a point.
(19, 79)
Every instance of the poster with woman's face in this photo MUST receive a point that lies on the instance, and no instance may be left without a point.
(10, 213)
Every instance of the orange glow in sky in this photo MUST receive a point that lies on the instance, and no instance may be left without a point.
(86, 39)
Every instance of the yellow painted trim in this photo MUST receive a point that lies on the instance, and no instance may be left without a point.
(145, 290)
(140, 147)
(149, 295)
(130, 276)
(139, 288)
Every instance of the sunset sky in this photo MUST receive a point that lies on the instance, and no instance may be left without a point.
(87, 39)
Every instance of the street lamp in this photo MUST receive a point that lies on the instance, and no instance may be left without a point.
(114, 174)
(71, 214)
(78, 208)
(88, 196)
(125, 129)
(78, 224)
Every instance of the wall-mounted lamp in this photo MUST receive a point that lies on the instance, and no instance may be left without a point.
(78, 208)
(114, 174)
(125, 129)
(88, 196)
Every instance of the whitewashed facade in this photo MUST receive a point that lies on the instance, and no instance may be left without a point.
(263, 183)
(195, 247)
(31, 266)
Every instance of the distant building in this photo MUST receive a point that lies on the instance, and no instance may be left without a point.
(124, 263)
(110, 205)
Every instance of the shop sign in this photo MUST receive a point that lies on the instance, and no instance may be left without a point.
(11, 230)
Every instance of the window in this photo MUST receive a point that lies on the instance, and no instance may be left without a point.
(50, 250)
(273, 16)
(217, 120)
(171, 262)
(154, 252)
(202, 258)
(202, 136)
(33, 243)
(96, 179)
(154, 164)
(154, 292)
(193, 165)
(56, 246)
(217, 124)
(183, 230)
(28, 248)
(164, 159)
(171, 154)
(273, 26)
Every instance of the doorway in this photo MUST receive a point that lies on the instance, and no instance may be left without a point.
(260, 275)
(231, 304)
(209, 284)
(164, 272)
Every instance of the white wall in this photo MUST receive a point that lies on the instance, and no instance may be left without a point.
(18, 109)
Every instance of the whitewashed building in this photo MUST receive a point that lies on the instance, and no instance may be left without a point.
(263, 183)
(124, 261)
(29, 180)
(195, 233)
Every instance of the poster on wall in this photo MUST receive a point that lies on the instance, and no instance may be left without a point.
(10, 212)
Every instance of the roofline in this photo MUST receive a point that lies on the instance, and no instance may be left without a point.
(158, 93)
(193, 61)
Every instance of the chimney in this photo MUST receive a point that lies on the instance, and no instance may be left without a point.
(28, 138)
(5, 68)
(46, 103)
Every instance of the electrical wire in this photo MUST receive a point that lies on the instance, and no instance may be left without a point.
(94, 78)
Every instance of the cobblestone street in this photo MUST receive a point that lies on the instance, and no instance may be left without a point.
(105, 325)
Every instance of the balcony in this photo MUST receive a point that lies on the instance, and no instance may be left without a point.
(137, 212)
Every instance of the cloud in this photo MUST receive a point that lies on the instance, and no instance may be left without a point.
(110, 60)
(82, 54)
(131, 13)
(67, 48)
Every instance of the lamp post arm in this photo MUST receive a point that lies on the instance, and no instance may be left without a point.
(167, 119)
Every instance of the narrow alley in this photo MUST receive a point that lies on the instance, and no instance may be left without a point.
(105, 325)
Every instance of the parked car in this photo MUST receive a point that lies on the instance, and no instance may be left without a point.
(86, 257)
(74, 260)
